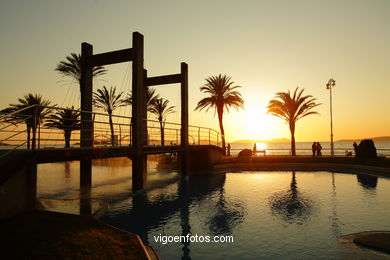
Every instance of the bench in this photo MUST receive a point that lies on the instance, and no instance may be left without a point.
(255, 153)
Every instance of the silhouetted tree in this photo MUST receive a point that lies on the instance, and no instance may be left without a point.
(32, 117)
(161, 109)
(66, 120)
(72, 68)
(292, 206)
(222, 96)
(108, 100)
(291, 109)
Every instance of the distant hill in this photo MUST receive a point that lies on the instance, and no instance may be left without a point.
(278, 140)
(379, 139)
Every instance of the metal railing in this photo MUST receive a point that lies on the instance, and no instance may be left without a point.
(30, 128)
(302, 151)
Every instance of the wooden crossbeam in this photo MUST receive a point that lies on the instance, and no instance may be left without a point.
(111, 57)
(162, 80)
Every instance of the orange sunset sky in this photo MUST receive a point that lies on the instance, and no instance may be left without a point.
(265, 46)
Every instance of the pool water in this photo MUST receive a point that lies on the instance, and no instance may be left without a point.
(271, 215)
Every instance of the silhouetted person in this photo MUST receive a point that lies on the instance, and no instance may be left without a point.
(319, 148)
(228, 150)
(355, 147)
(254, 149)
(314, 148)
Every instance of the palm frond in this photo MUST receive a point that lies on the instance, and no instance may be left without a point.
(292, 108)
(108, 99)
(72, 67)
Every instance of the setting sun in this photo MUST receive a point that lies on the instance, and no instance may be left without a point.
(260, 125)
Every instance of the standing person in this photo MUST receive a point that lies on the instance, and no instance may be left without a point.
(314, 148)
(228, 150)
(254, 149)
(319, 148)
(355, 147)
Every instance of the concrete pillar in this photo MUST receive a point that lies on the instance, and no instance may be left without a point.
(138, 113)
(85, 187)
(31, 186)
(184, 119)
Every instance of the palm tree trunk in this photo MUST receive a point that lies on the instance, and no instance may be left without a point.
(112, 129)
(220, 116)
(67, 135)
(161, 131)
(28, 136)
(34, 137)
(292, 131)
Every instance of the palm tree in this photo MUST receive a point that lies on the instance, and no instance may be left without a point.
(161, 109)
(72, 68)
(151, 97)
(108, 100)
(222, 96)
(66, 120)
(291, 109)
(32, 117)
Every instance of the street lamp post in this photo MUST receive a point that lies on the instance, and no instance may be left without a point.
(331, 83)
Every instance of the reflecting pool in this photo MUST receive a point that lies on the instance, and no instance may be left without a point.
(271, 215)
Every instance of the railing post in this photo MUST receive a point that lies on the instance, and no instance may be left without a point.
(177, 137)
(34, 129)
(131, 133)
(198, 135)
(39, 136)
(120, 135)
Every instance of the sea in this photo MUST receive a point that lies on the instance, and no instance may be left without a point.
(284, 148)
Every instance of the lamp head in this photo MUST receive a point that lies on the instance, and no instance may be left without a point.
(331, 83)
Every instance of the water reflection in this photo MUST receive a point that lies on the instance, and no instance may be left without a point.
(228, 214)
(367, 181)
(167, 162)
(67, 172)
(150, 211)
(334, 218)
(238, 204)
(291, 206)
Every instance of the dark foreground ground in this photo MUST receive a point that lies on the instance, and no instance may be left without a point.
(50, 235)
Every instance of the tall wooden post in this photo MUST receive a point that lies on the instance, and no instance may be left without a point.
(86, 96)
(86, 134)
(138, 113)
(184, 118)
